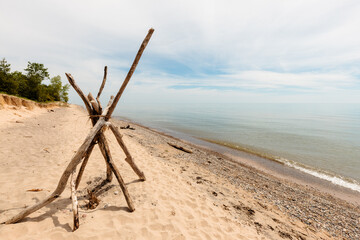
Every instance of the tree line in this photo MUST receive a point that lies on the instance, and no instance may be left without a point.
(29, 84)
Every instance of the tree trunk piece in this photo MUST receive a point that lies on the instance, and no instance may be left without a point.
(180, 148)
(128, 158)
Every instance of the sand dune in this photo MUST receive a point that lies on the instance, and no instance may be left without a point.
(180, 199)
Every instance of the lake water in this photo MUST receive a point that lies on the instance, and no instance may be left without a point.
(320, 139)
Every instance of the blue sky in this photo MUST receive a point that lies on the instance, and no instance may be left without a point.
(201, 51)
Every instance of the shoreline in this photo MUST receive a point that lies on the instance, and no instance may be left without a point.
(260, 163)
(199, 194)
(311, 200)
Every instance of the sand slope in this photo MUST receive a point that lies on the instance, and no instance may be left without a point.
(36, 146)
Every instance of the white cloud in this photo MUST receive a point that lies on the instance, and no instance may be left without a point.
(245, 44)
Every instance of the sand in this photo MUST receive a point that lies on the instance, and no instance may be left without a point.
(185, 196)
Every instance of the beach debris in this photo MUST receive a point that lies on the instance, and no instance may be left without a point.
(35, 190)
(180, 148)
(100, 121)
(127, 127)
(284, 234)
(250, 211)
(199, 180)
(93, 201)
(226, 207)
(215, 194)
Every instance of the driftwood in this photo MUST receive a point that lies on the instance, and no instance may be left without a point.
(180, 148)
(100, 120)
(82, 168)
(127, 127)
(74, 200)
(130, 73)
(91, 112)
(101, 88)
(93, 200)
(128, 158)
(65, 176)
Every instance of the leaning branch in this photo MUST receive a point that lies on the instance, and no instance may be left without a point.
(78, 90)
(130, 73)
(128, 158)
(102, 84)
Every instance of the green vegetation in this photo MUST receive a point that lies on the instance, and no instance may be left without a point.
(29, 85)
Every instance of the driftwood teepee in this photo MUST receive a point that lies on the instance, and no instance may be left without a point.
(100, 120)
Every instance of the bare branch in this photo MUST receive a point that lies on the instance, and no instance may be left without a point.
(78, 90)
(130, 73)
(102, 84)
(128, 158)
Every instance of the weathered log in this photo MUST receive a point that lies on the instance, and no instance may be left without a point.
(74, 202)
(127, 127)
(130, 73)
(65, 176)
(180, 148)
(128, 158)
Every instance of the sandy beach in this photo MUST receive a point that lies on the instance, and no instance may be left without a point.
(197, 195)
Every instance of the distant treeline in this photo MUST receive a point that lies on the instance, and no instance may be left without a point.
(29, 84)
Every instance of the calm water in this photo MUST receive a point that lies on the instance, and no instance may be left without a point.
(321, 139)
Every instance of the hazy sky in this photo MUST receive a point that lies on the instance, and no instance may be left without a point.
(201, 51)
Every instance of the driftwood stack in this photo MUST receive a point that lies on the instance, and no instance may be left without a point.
(100, 119)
